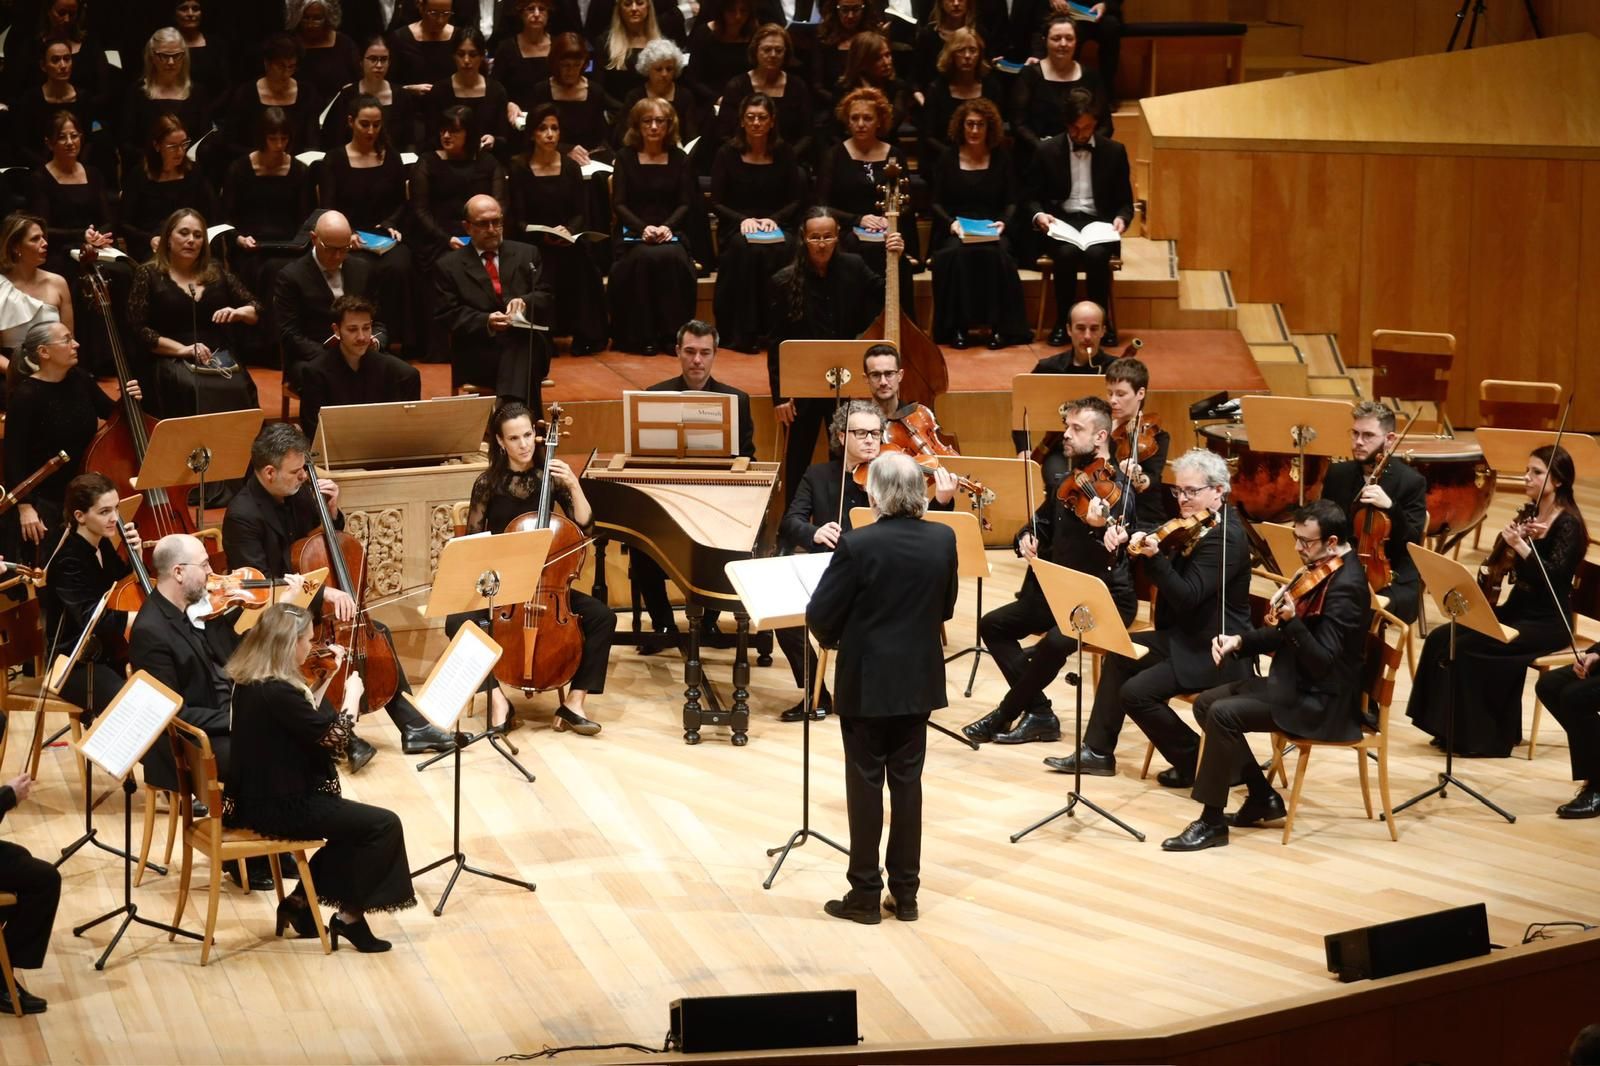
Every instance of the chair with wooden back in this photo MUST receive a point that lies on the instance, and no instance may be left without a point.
(1585, 626)
(1384, 651)
(9, 899)
(1519, 404)
(22, 643)
(1412, 368)
(197, 768)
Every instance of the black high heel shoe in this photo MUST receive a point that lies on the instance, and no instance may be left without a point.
(358, 933)
(295, 912)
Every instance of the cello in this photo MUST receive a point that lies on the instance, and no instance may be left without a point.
(117, 451)
(926, 375)
(542, 639)
(370, 653)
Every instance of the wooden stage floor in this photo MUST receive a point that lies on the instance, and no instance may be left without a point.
(649, 858)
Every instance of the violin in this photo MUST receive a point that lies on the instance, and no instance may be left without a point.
(1373, 526)
(1097, 481)
(1502, 560)
(917, 435)
(1182, 534)
(244, 586)
(1302, 589)
(1143, 447)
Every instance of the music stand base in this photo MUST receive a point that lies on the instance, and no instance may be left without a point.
(805, 832)
(91, 835)
(952, 734)
(1442, 789)
(798, 839)
(456, 855)
(508, 751)
(1073, 800)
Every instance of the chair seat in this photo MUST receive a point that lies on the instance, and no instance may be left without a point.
(242, 843)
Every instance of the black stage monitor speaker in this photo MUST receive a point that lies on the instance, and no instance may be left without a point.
(755, 1023)
(1409, 944)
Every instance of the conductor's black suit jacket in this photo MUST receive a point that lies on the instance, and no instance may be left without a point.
(881, 602)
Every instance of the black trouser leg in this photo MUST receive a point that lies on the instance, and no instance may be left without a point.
(1045, 660)
(872, 748)
(810, 418)
(599, 625)
(37, 886)
(1575, 703)
(1227, 713)
(1003, 628)
(794, 644)
(1405, 597)
(906, 748)
(650, 582)
(402, 712)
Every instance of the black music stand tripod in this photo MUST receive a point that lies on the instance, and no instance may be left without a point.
(805, 832)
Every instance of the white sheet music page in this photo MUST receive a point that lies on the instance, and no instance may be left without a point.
(129, 727)
(457, 675)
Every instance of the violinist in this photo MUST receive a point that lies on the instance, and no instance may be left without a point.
(1316, 638)
(1127, 381)
(1547, 537)
(1399, 493)
(269, 514)
(1573, 695)
(84, 566)
(506, 491)
(1185, 559)
(816, 519)
(1069, 529)
(1087, 328)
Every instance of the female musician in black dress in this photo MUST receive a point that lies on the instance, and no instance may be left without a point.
(398, 107)
(1039, 95)
(166, 89)
(470, 88)
(547, 189)
(522, 59)
(506, 491)
(71, 196)
(180, 309)
(852, 171)
(446, 178)
(267, 197)
(85, 565)
(1489, 675)
(652, 288)
(963, 73)
(167, 182)
(328, 58)
(770, 51)
(277, 87)
(282, 782)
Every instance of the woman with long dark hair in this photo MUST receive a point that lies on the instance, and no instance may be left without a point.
(468, 87)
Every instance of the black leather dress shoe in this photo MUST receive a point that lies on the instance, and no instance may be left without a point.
(1585, 804)
(1058, 336)
(416, 739)
(904, 909)
(359, 752)
(31, 1004)
(1031, 727)
(659, 641)
(1093, 765)
(995, 343)
(260, 875)
(1253, 812)
(798, 711)
(961, 342)
(988, 727)
(857, 909)
(1197, 836)
(1172, 777)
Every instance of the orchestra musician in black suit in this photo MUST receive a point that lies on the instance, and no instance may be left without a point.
(482, 288)
(269, 514)
(1400, 491)
(1192, 608)
(1080, 177)
(697, 352)
(1313, 689)
(1087, 329)
(881, 603)
(356, 371)
(304, 291)
(1127, 382)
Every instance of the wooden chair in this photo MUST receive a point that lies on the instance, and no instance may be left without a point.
(8, 899)
(151, 793)
(1381, 663)
(1414, 368)
(1519, 404)
(22, 644)
(197, 766)
(1047, 267)
(1585, 624)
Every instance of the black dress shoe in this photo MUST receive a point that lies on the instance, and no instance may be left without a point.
(31, 1004)
(1253, 811)
(1172, 777)
(660, 641)
(1058, 336)
(1197, 836)
(359, 752)
(857, 909)
(1093, 765)
(260, 876)
(904, 908)
(566, 719)
(416, 739)
(1033, 726)
(988, 727)
(995, 343)
(798, 711)
(295, 913)
(961, 343)
(1585, 804)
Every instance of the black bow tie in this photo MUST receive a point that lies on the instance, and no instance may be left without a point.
(1084, 147)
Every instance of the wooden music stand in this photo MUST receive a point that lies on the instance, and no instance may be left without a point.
(698, 424)
(817, 369)
(1041, 396)
(1280, 538)
(1005, 477)
(185, 451)
(1508, 449)
(411, 431)
(1456, 592)
(1299, 426)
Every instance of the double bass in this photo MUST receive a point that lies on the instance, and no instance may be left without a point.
(926, 376)
(542, 640)
(117, 451)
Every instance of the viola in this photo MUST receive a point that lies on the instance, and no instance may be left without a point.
(1502, 560)
(1182, 534)
(542, 640)
(1145, 444)
(1372, 526)
(1098, 480)
(244, 586)
(1302, 589)
(917, 435)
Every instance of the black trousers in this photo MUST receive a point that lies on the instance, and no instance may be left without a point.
(650, 581)
(876, 750)
(1227, 713)
(161, 771)
(599, 624)
(1094, 261)
(1140, 689)
(810, 418)
(1405, 596)
(37, 886)
(1002, 630)
(1575, 703)
(402, 712)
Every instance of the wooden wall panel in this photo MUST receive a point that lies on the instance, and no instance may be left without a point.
(1179, 11)
(1205, 197)
(1305, 218)
(1376, 30)
(1369, 31)
(1586, 412)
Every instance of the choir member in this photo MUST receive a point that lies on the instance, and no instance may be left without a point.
(652, 286)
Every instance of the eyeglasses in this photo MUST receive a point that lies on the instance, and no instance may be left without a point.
(653, 120)
(325, 246)
(1304, 542)
(771, 50)
(181, 146)
(487, 223)
(377, 61)
(865, 435)
(206, 563)
(882, 375)
(1183, 493)
(822, 240)
(169, 57)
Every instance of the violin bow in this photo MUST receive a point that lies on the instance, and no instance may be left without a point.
(1572, 638)
(1027, 483)
(1222, 590)
(1133, 453)
(844, 473)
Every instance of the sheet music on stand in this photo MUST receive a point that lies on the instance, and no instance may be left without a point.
(455, 678)
(776, 590)
(680, 424)
(130, 725)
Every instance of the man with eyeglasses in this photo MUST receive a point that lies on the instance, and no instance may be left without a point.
(1057, 533)
(1190, 612)
(305, 289)
(1313, 690)
(489, 293)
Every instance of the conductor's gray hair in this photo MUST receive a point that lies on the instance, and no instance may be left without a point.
(897, 486)
(1210, 465)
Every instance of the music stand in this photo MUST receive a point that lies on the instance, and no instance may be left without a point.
(1045, 393)
(1082, 604)
(1455, 590)
(1508, 449)
(775, 591)
(473, 572)
(1299, 426)
(441, 699)
(1280, 540)
(141, 712)
(815, 370)
(183, 451)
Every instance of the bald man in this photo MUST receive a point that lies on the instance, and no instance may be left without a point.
(303, 294)
(1086, 330)
(482, 289)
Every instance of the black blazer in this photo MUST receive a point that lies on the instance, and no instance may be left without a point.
(302, 305)
(259, 530)
(1051, 175)
(881, 603)
(467, 297)
(747, 431)
(281, 756)
(1189, 609)
(1408, 510)
(189, 661)
(1320, 659)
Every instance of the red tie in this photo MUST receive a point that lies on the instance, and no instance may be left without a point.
(494, 271)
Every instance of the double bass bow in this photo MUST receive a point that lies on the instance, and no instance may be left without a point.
(926, 375)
